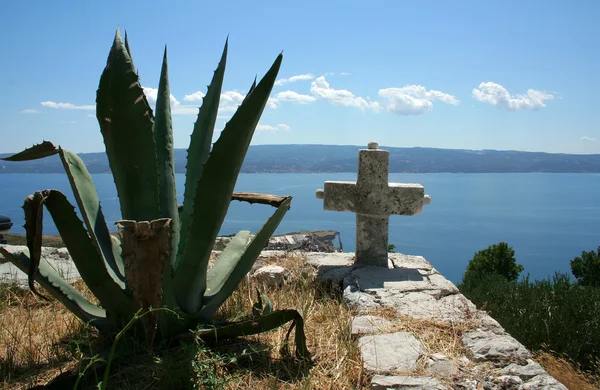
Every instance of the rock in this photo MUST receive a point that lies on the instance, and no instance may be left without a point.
(271, 275)
(389, 352)
(333, 267)
(525, 372)
(543, 382)
(485, 345)
(399, 280)
(369, 325)
(440, 366)
(509, 381)
(357, 299)
(400, 260)
(381, 382)
(57, 258)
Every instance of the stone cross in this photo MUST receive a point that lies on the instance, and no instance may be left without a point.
(373, 200)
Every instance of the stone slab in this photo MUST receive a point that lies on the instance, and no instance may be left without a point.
(399, 279)
(489, 346)
(271, 275)
(369, 325)
(385, 353)
(58, 258)
(382, 382)
(400, 260)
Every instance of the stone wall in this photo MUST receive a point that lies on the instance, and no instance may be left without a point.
(414, 328)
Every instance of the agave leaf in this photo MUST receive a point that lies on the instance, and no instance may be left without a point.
(238, 263)
(213, 193)
(200, 142)
(34, 213)
(264, 324)
(224, 266)
(163, 137)
(35, 152)
(251, 89)
(129, 50)
(88, 202)
(87, 258)
(59, 288)
(127, 128)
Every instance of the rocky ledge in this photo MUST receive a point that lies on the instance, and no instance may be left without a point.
(399, 312)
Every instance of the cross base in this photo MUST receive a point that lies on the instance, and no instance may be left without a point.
(372, 240)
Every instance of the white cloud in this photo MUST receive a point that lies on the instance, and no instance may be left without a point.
(30, 111)
(194, 97)
(152, 94)
(300, 77)
(344, 74)
(273, 129)
(230, 100)
(412, 99)
(585, 138)
(291, 96)
(407, 100)
(272, 103)
(497, 95)
(66, 106)
(320, 88)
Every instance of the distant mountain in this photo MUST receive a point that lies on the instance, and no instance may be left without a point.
(343, 158)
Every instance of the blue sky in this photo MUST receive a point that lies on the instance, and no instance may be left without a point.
(520, 75)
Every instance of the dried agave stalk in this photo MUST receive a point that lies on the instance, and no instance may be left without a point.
(145, 249)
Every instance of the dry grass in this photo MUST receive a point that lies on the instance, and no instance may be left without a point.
(567, 372)
(39, 340)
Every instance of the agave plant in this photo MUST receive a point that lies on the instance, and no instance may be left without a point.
(161, 258)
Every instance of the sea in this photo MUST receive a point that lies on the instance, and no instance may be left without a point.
(547, 218)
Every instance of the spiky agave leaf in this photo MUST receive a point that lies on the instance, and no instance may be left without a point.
(59, 288)
(88, 202)
(35, 152)
(231, 269)
(126, 124)
(34, 212)
(264, 324)
(87, 258)
(163, 138)
(199, 148)
(87, 199)
(214, 190)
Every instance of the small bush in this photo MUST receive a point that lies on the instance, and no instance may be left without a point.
(497, 259)
(586, 268)
(555, 314)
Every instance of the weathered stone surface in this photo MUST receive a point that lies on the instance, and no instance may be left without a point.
(524, 372)
(440, 366)
(543, 382)
(331, 266)
(369, 325)
(485, 345)
(399, 280)
(58, 258)
(271, 275)
(382, 382)
(400, 260)
(358, 300)
(508, 381)
(436, 305)
(373, 200)
(390, 352)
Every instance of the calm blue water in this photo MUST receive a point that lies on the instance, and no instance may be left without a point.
(547, 218)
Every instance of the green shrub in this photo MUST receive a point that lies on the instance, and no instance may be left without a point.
(497, 259)
(556, 314)
(586, 268)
